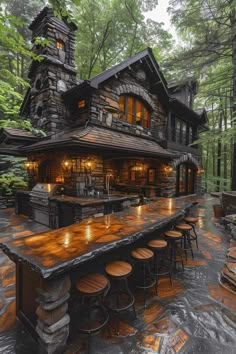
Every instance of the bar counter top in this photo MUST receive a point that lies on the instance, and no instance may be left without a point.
(55, 252)
(93, 201)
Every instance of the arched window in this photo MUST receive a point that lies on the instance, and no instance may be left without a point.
(60, 44)
(134, 111)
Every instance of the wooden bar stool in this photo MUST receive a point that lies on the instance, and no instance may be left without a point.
(192, 221)
(119, 298)
(143, 257)
(160, 267)
(173, 237)
(92, 314)
(187, 245)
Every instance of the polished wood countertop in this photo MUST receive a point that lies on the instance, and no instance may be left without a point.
(93, 201)
(54, 252)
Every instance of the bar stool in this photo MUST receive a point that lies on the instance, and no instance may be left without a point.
(120, 299)
(173, 237)
(158, 247)
(144, 256)
(187, 245)
(192, 221)
(92, 314)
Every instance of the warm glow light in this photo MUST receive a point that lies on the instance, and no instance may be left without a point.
(108, 221)
(139, 210)
(67, 239)
(168, 168)
(31, 165)
(200, 171)
(88, 233)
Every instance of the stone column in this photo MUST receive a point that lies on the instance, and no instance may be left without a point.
(53, 319)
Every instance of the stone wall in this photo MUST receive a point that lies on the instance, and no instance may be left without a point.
(105, 104)
(53, 75)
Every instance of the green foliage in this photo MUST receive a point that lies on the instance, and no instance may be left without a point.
(205, 28)
(119, 31)
(14, 175)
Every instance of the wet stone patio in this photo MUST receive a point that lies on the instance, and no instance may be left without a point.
(195, 315)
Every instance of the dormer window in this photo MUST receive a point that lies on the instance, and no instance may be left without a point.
(134, 111)
(60, 44)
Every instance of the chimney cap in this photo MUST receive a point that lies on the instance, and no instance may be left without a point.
(47, 11)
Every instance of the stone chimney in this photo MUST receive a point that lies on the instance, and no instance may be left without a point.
(54, 74)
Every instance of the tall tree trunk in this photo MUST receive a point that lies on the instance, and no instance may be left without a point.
(233, 38)
(219, 145)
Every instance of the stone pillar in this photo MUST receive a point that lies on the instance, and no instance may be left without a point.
(53, 319)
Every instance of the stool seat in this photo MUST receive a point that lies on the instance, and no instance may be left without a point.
(157, 244)
(191, 219)
(184, 227)
(173, 234)
(92, 283)
(118, 269)
(142, 254)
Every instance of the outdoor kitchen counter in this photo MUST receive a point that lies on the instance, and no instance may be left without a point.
(45, 264)
(54, 252)
(93, 201)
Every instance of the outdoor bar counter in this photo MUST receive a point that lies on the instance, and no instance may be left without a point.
(45, 262)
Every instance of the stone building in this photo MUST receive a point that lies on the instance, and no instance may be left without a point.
(125, 130)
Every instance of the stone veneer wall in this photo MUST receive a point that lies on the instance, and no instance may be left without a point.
(53, 75)
(105, 104)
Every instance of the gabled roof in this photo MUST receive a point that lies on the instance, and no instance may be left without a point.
(101, 138)
(145, 56)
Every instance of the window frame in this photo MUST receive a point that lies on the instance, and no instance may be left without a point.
(182, 136)
(125, 114)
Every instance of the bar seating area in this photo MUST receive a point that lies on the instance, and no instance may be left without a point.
(113, 291)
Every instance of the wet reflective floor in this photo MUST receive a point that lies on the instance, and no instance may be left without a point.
(195, 315)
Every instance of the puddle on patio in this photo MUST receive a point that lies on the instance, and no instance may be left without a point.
(195, 315)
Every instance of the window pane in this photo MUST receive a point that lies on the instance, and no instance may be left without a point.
(190, 135)
(178, 131)
(139, 109)
(146, 121)
(190, 180)
(122, 108)
(182, 178)
(184, 133)
(130, 109)
(122, 103)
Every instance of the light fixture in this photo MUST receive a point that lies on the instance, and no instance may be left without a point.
(31, 165)
(88, 164)
(200, 171)
(68, 164)
(138, 166)
(168, 168)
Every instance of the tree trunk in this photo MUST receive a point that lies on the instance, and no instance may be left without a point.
(233, 38)
(219, 145)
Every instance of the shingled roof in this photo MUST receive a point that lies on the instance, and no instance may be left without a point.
(102, 138)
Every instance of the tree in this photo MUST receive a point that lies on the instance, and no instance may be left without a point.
(207, 29)
(117, 33)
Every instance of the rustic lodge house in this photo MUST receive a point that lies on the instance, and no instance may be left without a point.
(122, 135)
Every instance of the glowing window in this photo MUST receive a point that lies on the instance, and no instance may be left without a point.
(60, 44)
(134, 111)
(81, 104)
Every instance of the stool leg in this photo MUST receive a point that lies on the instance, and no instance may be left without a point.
(131, 295)
(189, 242)
(144, 282)
(194, 230)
